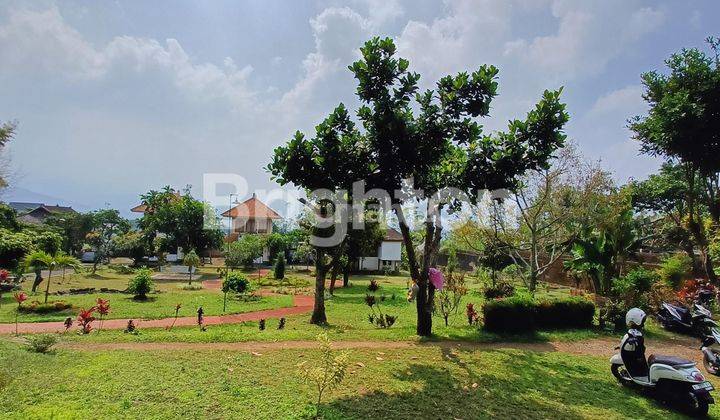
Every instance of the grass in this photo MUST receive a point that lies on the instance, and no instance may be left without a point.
(433, 381)
(347, 316)
(160, 304)
(429, 382)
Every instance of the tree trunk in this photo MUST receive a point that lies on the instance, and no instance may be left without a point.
(346, 274)
(47, 286)
(318, 315)
(37, 281)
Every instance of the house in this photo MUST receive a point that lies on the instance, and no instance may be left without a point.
(389, 254)
(251, 216)
(37, 213)
(143, 208)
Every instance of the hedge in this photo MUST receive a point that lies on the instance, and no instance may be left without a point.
(521, 314)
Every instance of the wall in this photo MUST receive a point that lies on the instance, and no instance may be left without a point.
(390, 251)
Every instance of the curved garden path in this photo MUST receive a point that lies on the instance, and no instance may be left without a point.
(301, 305)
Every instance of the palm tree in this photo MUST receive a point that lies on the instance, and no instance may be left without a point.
(192, 261)
(66, 261)
(41, 260)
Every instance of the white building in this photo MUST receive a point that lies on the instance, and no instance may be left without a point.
(389, 254)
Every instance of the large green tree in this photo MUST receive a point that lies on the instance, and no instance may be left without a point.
(106, 225)
(74, 228)
(683, 127)
(431, 137)
(186, 222)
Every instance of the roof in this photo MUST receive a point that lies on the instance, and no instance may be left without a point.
(22, 208)
(252, 208)
(142, 208)
(393, 235)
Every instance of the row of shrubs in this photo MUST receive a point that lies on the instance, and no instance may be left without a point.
(523, 313)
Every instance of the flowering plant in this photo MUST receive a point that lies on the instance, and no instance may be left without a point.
(85, 319)
(20, 297)
(4, 274)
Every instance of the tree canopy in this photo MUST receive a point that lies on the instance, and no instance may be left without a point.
(431, 137)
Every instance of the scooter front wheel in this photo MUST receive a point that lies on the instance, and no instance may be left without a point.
(620, 374)
(697, 407)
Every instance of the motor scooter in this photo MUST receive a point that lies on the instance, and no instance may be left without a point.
(710, 348)
(696, 321)
(670, 379)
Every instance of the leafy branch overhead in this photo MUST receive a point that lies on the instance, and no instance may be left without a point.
(442, 146)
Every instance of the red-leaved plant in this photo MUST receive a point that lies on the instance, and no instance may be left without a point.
(85, 319)
(690, 290)
(472, 315)
(4, 275)
(19, 298)
(103, 308)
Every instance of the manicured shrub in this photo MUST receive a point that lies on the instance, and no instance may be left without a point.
(513, 314)
(141, 284)
(280, 267)
(523, 313)
(41, 343)
(566, 313)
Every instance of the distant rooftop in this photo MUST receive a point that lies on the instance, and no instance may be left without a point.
(23, 208)
(252, 208)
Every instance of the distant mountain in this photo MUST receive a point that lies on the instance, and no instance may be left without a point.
(27, 196)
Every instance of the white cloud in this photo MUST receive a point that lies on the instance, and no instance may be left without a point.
(338, 33)
(43, 41)
(589, 35)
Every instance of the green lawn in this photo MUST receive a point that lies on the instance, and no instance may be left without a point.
(347, 316)
(429, 382)
(160, 304)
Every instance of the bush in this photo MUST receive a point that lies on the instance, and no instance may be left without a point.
(141, 284)
(280, 267)
(41, 343)
(500, 290)
(523, 313)
(632, 289)
(675, 269)
(236, 283)
(36, 307)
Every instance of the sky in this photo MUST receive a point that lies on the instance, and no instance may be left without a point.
(114, 98)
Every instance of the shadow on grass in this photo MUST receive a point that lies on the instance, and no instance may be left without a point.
(516, 384)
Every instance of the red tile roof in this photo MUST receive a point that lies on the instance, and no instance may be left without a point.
(252, 208)
(393, 235)
(142, 208)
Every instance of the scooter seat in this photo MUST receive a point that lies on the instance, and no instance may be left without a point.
(668, 360)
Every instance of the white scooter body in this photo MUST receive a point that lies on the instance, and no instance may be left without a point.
(683, 373)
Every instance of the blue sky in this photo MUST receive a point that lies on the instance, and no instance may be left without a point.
(114, 98)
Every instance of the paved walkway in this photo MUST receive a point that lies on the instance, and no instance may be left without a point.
(301, 304)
